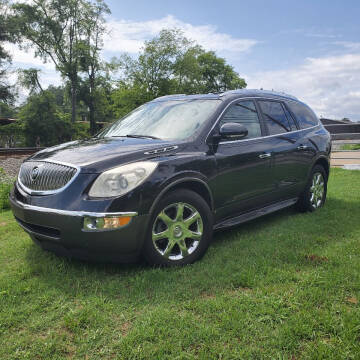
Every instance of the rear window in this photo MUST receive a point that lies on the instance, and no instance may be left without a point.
(275, 118)
(304, 115)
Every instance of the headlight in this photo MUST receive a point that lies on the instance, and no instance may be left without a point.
(121, 180)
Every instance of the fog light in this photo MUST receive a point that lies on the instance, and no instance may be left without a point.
(105, 223)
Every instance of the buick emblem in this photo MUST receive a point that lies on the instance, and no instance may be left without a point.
(35, 173)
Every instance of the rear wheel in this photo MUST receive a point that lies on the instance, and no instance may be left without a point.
(180, 229)
(314, 194)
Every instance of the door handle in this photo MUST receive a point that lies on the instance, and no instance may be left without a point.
(264, 156)
(302, 147)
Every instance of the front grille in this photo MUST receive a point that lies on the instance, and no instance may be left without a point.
(45, 176)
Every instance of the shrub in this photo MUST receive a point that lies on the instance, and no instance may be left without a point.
(6, 183)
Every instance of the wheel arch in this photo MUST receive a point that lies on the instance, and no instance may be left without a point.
(324, 162)
(191, 183)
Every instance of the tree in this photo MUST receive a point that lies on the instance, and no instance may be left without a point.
(52, 28)
(126, 98)
(29, 79)
(90, 46)
(170, 63)
(42, 118)
(6, 91)
(215, 75)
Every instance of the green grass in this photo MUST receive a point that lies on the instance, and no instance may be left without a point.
(282, 287)
(350, 147)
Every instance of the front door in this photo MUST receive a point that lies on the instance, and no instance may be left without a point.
(244, 178)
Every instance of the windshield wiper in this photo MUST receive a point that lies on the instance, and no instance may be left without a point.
(142, 136)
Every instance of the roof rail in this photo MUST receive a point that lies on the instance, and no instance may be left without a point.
(169, 96)
(257, 91)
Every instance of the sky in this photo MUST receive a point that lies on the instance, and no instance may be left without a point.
(310, 49)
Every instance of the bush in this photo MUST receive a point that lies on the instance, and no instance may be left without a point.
(6, 183)
(81, 130)
(4, 195)
(44, 123)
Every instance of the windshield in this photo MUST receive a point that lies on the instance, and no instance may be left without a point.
(174, 119)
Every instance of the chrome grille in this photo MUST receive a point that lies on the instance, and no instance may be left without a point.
(42, 176)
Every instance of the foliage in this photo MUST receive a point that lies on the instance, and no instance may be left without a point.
(6, 183)
(7, 110)
(170, 63)
(285, 286)
(80, 130)
(44, 123)
(5, 188)
(12, 135)
(6, 26)
(90, 46)
(29, 79)
(53, 28)
(126, 98)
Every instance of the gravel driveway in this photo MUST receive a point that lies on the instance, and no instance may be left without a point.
(11, 165)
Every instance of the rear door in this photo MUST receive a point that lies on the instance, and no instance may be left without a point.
(244, 178)
(285, 143)
(306, 146)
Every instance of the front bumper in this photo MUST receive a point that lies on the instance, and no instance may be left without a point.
(61, 231)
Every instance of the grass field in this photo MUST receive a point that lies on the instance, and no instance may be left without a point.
(350, 147)
(285, 286)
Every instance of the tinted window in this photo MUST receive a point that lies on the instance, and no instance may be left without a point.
(290, 119)
(304, 115)
(244, 112)
(275, 118)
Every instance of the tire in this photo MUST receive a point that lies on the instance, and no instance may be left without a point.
(314, 194)
(179, 231)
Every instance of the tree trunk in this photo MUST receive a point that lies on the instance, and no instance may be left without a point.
(93, 128)
(73, 101)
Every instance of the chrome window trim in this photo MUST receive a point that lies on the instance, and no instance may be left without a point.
(48, 192)
(268, 136)
(72, 212)
(260, 137)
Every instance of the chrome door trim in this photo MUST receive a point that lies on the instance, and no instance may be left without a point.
(268, 136)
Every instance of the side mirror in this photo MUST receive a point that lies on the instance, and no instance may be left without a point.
(233, 130)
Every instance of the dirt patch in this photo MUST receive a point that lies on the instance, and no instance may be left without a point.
(316, 258)
(352, 300)
(125, 328)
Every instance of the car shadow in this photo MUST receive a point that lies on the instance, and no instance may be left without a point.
(239, 257)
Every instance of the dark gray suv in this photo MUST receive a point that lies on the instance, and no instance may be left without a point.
(160, 180)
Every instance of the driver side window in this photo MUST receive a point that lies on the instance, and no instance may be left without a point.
(244, 112)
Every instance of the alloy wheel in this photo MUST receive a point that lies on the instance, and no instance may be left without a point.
(177, 231)
(317, 190)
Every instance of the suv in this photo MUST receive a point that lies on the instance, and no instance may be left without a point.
(161, 179)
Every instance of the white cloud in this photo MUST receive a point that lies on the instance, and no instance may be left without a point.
(27, 58)
(129, 36)
(330, 85)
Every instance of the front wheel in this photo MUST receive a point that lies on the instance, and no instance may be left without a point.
(180, 229)
(314, 194)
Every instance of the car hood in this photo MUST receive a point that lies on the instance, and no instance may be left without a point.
(96, 155)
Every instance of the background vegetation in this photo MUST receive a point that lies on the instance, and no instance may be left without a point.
(69, 34)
